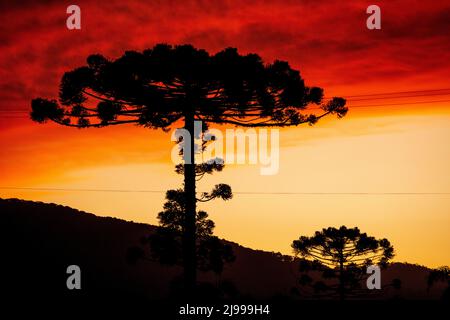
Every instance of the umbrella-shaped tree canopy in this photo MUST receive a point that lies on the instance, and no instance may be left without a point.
(159, 86)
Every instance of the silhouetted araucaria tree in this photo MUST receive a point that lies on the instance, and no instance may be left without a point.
(160, 86)
(342, 255)
(441, 274)
(166, 242)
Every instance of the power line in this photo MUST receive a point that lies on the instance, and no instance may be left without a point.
(401, 97)
(399, 104)
(364, 97)
(236, 192)
(82, 190)
(395, 92)
(388, 104)
(315, 108)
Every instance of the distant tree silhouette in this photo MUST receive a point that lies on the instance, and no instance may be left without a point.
(341, 255)
(211, 252)
(166, 243)
(441, 274)
(160, 86)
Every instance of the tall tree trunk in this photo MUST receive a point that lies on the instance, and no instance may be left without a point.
(341, 278)
(189, 237)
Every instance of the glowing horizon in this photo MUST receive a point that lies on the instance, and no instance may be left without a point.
(395, 144)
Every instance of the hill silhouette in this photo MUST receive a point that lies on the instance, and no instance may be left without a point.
(40, 240)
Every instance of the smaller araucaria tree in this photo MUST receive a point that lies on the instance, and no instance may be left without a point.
(166, 244)
(441, 274)
(342, 256)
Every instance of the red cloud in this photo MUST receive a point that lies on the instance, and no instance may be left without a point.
(327, 41)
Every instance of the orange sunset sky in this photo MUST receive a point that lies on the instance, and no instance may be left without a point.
(384, 167)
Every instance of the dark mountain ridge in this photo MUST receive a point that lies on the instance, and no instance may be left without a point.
(41, 240)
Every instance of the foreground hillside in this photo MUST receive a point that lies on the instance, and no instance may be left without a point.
(40, 240)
